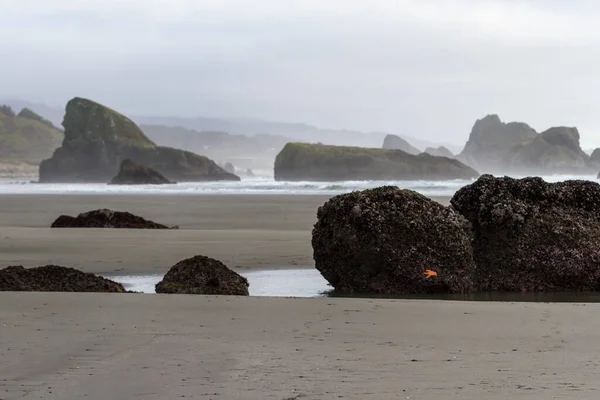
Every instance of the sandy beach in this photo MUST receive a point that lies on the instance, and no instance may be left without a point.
(251, 231)
(241, 231)
(129, 346)
(97, 346)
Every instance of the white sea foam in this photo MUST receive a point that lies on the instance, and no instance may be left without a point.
(259, 186)
(275, 283)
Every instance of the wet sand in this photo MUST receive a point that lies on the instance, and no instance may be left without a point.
(246, 231)
(129, 346)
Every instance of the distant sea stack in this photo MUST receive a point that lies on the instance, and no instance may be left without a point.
(515, 147)
(317, 162)
(97, 139)
(394, 142)
(491, 143)
(555, 150)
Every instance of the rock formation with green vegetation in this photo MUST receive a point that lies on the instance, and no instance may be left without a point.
(317, 162)
(395, 142)
(439, 152)
(492, 141)
(555, 150)
(97, 139)
(132, 173)
(26, 138)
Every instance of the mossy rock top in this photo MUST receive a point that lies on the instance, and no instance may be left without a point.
(317, 162)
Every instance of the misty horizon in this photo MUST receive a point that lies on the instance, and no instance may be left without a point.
(426, 69)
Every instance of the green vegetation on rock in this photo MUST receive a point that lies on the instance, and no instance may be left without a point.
(27, 113)
(26, 138)
(98, 138)
(317, 162)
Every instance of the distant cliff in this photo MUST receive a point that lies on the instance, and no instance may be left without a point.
(97, 139)
(316, 162)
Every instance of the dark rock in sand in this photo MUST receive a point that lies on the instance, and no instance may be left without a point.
(97, 139)
(381, 241)
(530, 235)
(132, 173)
(52, 278)
(202, 275)
(105, 218)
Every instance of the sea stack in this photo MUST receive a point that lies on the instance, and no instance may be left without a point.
(491, 142)
(97, 139)
(318, 162)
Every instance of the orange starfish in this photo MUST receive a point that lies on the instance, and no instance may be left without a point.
(429, 273)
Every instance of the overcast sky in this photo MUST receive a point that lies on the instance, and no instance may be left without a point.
(425, 68)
